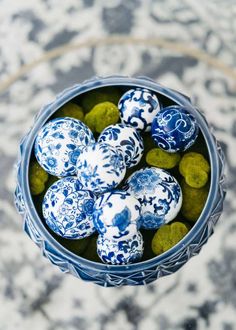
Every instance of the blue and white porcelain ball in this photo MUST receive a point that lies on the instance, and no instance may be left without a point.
(67, 209)
(159, 194)
(127, 139)
(100, 167)
(138, 107)
(117, 215)
(58, 145)
(174, 129)
(120, 252)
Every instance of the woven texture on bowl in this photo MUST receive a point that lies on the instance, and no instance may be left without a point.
(110, 276)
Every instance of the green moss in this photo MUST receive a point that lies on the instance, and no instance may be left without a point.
(162, 159)
(167, 236)
(37, 178)
(107, 94)
(101, 116)
(194, 168)
(193, 201)
(70, 109)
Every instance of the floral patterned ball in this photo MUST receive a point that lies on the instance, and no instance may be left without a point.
(117, 215)
(120, 252)
(67, 209)
(127, 139)
(100, 167)
(138, 107)
(58, 145)
(174, 129)
(159, 194)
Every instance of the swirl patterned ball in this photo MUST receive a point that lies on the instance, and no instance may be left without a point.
(159, 194)
(117, 215)
(174, 129)
(100, 167)
(58, 145)
(138, 107)
(67, 209)
(127, 139)
(120, 252)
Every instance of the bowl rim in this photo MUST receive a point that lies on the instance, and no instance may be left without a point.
(66, 96)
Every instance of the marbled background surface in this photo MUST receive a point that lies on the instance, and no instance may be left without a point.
(33, 293)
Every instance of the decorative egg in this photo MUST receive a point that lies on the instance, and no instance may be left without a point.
(100, 167)
(159, 194)
(67, 209)
(117, 215)
(120, 252)
(174, 129)
(138, 107)
(127, 139)
(58, 145)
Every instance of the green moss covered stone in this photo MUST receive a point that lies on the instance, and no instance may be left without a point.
(167, 236)
(194, 200)
(162, 159)
(195, 169)
(101, 116)
(70, 109)
(93, 97)
(37, 178)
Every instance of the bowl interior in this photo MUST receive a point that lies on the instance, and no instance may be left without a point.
(75, 250)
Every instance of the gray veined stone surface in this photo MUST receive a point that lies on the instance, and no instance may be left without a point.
(33, 293)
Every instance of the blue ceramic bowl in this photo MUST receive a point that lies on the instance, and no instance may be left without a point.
(115, 275)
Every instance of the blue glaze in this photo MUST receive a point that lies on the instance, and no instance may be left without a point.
(117, 215)
(100, 167)
(174, 129)
(159, 194)
(67, 209)
(139, 273)
(122, 251)
(127, 139)
(58, 145)
(138, 108)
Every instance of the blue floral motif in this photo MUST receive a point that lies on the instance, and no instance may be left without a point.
(127, 139)
(120, 252)
(87, 206)
(68, 210)
(122, 219)
(51, 162)
(57, 145)
(138, 108)
(174, 129)
(152, 220)
(159, 194)
(73, 156)
(117, 215)
(144, 180)
(100, 167)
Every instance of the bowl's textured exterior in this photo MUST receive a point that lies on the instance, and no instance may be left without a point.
(138, 273)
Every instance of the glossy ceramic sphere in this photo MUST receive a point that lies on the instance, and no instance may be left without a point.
(158, 192)
(127, 139)
(120, 252)
(174, 129)
(138, 107)
(117, 215)
(100, 167)
(68, 210)
(57, 145)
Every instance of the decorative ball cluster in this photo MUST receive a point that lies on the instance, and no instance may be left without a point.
(117, 220)
(89, 195)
